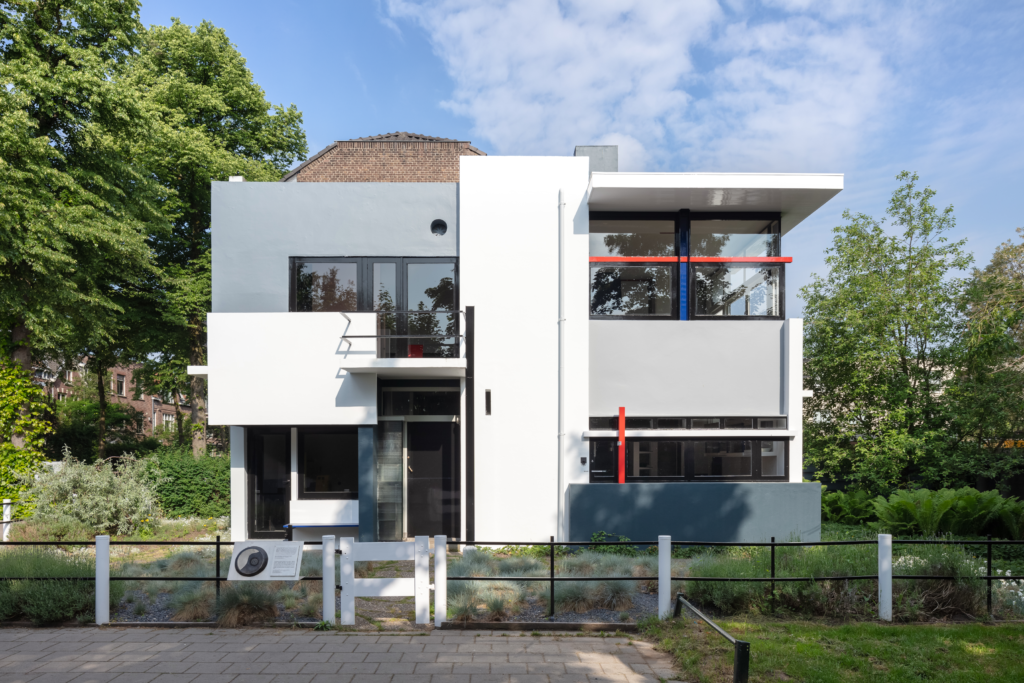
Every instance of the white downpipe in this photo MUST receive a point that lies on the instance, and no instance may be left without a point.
(102, 580)
(885, 577)
(561, 535)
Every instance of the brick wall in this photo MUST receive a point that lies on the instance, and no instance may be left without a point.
(356, 161)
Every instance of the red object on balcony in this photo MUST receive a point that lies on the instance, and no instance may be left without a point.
(415, 350)
(622, 445)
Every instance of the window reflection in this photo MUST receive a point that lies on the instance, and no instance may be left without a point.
(385, 286)
(631, 290)
(734, 238)
(326, 286)
(430, 288)
(722, 458)
(654, 460)
(632, 238)
(773, 458)
(732, 290)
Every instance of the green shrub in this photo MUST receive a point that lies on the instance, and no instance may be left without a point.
(854, 507)
(604, 537)
(106, 497)
(188, 486)
(44, 602)
(961, 512)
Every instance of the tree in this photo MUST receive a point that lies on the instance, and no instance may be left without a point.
(881, 343)
(23, 413)
(212, 121)
(75, 204)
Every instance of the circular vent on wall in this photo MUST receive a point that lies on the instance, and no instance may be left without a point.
(251, 561)
(438, 227)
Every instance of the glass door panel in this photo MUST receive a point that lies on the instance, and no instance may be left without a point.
(433, 500)
(390, 489)
(269, 470)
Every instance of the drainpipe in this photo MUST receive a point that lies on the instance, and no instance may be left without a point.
(561, 365)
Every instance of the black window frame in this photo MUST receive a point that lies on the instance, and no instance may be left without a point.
(691, 298)
(300, 473)
(611, 422)
(364, 285)
(689, 463)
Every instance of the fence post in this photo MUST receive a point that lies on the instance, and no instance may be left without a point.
(102, 580)
(773, 574)
(551, 607)
(885, 577)
(664, 576)
(327, 574)
(440, 580)
(989, 573)
(7, 518)
(422, 580)
(217, 569)
(741, 662)
(347, 581)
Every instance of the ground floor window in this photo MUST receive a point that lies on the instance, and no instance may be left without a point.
(328, 463)
(690, 460)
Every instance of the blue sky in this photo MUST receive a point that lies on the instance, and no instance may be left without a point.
(866, 88)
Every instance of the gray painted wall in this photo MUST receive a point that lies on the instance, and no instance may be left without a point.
(712, 511)
(603, 158)
(257, 226)
(367, 484)
(693, 367)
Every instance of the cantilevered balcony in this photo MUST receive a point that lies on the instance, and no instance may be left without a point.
(405, 343)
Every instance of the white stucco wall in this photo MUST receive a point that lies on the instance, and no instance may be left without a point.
(509, 272)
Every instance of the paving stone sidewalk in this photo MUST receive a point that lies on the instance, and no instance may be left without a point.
(204, 655)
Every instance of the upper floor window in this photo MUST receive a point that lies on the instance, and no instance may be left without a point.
(632, 238)
(120, 385)
(734, 238)
(325, 284)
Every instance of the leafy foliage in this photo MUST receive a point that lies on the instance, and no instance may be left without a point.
(190, 487)
(961, 512)
(23, 412)
(855, 507)
(45, 602)
(107, 497)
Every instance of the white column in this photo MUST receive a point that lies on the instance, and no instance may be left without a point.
(238, 488)
(103, 579)
(422, 567)
(793, 377)
(885, 577)
(664, 577)
(328, 578)
(440, 580)
(7, 518)
(347, 581)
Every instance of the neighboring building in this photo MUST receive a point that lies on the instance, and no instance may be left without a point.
(60, 384)
(430, 320)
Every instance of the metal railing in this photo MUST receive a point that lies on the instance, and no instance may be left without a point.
(415, 334)
(741, 648)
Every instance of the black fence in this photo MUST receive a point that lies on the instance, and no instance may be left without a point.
(741, 648)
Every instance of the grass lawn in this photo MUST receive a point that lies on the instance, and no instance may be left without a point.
(860, 651)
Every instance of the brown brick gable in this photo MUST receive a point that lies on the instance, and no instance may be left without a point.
(390, 158)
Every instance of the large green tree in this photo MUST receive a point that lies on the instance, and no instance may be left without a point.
(211, 121)
(882, 343)
(76, 206)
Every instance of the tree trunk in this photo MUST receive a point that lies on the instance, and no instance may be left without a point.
(197, 387)
(22, 355)
(101, 424)
(177, 419)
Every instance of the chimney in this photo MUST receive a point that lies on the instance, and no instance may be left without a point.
(604, 158)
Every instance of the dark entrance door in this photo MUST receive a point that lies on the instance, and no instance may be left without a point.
(433, 504)
(269, 470)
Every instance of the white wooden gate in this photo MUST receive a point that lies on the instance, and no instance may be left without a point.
(350, 551)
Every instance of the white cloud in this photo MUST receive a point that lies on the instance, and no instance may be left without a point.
(801, 87)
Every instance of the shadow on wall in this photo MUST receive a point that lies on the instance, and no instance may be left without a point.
(708, 512)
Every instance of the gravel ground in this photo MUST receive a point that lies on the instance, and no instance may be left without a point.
(159, 609)
(644, 604)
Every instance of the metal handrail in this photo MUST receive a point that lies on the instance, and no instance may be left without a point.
(741, 648)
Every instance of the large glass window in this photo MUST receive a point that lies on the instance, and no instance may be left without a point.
(327, 286)
(413, 401)
(732, 238)
(632, 238)
(690, 460)
(735, 290)
(632, 290)
(328, 463)
(722, 458)
(654, 460)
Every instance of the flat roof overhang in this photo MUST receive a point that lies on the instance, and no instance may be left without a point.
(795, 195)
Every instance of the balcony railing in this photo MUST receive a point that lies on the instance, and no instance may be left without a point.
(416, 334)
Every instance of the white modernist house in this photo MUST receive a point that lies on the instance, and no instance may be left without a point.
(529, 347)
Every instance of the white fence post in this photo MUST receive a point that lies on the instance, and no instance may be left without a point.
(327, 569)
(347, 581)
(7, 518)
(422, 593)
(440, 580)
(885, 577)
(103, 579)
(664, 577)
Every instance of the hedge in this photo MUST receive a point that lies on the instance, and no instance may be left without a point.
(190, 487)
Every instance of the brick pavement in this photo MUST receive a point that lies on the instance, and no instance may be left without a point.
(204, 655)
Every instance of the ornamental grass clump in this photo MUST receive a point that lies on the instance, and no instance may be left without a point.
(245, 603)
(44, 602)
(615, 595)
(192, 604)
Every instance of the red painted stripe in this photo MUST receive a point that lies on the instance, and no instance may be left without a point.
(741, 259)
(633, 259)
(622, 445)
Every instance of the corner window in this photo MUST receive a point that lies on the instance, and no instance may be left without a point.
(722, 458)
(328, 463)
(632, 290)
(737, 290)
(734, 238)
